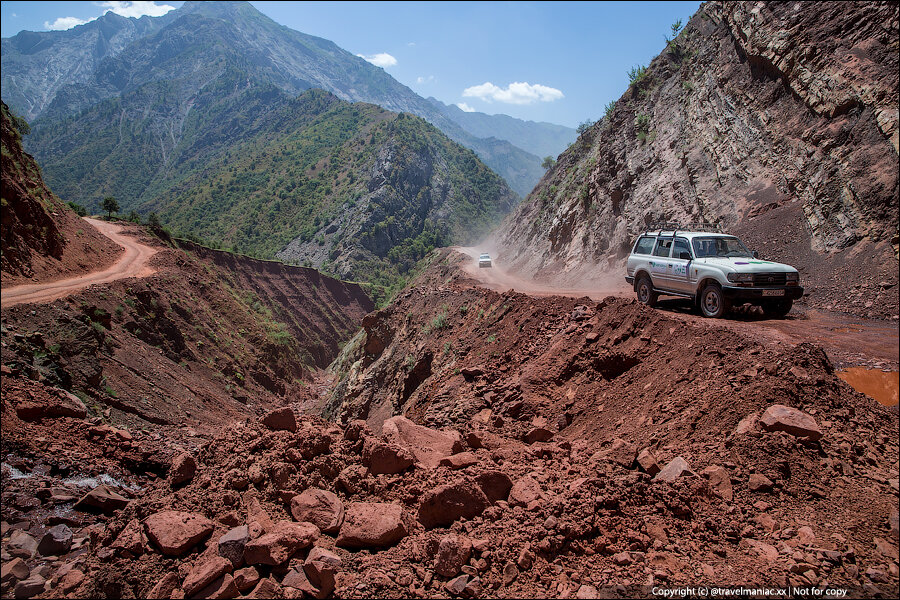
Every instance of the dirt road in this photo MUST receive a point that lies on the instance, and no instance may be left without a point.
(849, 341)
(133, 263)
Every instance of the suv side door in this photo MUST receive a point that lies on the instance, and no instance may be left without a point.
(680, 273)
(660, 266)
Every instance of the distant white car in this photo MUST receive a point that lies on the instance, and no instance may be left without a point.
(484, 260)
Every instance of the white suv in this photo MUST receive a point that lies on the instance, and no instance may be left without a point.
(714, 269)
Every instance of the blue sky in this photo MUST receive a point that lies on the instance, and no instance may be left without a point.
(559, 62)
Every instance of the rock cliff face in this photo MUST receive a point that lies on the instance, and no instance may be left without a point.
(776, 120)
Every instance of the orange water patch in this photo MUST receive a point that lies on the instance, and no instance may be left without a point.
(880, 385)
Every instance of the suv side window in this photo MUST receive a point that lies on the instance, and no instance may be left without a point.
(663, 246)
(644, 245)
(681, 245)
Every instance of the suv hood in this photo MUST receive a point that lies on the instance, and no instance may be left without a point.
(747, 265)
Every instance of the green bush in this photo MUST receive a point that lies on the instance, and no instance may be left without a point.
(440, 321)
(79, 209)
(636, 75)
(608, 109)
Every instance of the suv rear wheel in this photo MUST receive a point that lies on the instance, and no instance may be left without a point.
(713, 303)
(778, 308)
(645, 292)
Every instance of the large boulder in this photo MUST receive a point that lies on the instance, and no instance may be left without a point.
(677, 467)
(131, 539)
(620, 452)
(164, 587)
(231, 544)
(525, 491)
(320, 568)
(319, 507)
(21, 544)
(221, 588)
(453, 552)
(183, 469)
(443, 505)
(646, 460)
(29, 588)
(428, 446)
(57, 403)
(371, 524)
(277, 546)
(495, 485)
(14, 570)
(101, 499)
(56, 542)
(460, 460)
(719, 482)
(384, 458)
(281, 419)
(790, 420)
(203, 574)
(175, 532)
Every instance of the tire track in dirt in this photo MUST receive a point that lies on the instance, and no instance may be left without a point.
(133, 263)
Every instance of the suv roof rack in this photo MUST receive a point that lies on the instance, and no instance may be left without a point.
(669, 226)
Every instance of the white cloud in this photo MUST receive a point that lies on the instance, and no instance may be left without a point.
(465, 107)
(382, 59)
(63, 23)
(516, 93)
(135, 9)
(420, 80)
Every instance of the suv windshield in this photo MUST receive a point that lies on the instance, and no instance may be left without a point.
(720, 246)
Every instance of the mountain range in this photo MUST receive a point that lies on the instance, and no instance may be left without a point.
(52, 76)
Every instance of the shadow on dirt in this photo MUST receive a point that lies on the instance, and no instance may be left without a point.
(746, 312)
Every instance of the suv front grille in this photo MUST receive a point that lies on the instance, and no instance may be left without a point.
(769, 279)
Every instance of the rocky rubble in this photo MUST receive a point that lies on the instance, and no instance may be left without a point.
(670, 452)
(275, 512)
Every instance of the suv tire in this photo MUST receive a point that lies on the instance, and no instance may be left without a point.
(645, 292)
(778, 308)
(713, 303)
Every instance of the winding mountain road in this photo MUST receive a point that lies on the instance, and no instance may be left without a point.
(133, 263)
(849, 341)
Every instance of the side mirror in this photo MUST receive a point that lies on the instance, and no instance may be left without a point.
(684, 255)
(755, 254)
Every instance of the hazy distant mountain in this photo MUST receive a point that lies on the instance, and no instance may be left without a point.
(52, 76)
(539, 138)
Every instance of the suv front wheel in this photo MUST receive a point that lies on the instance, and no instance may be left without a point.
(713, 303)
(645, 292)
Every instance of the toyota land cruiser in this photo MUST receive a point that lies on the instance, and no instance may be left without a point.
(714, 269)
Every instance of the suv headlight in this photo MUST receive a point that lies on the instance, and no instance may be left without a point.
(793, 278)
(740, 277)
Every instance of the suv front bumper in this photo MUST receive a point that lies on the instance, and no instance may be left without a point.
(745, 294)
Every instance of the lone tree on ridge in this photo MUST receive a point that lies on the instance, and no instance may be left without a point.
(110, 205)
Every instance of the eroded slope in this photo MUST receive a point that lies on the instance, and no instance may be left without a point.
(42, 238)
